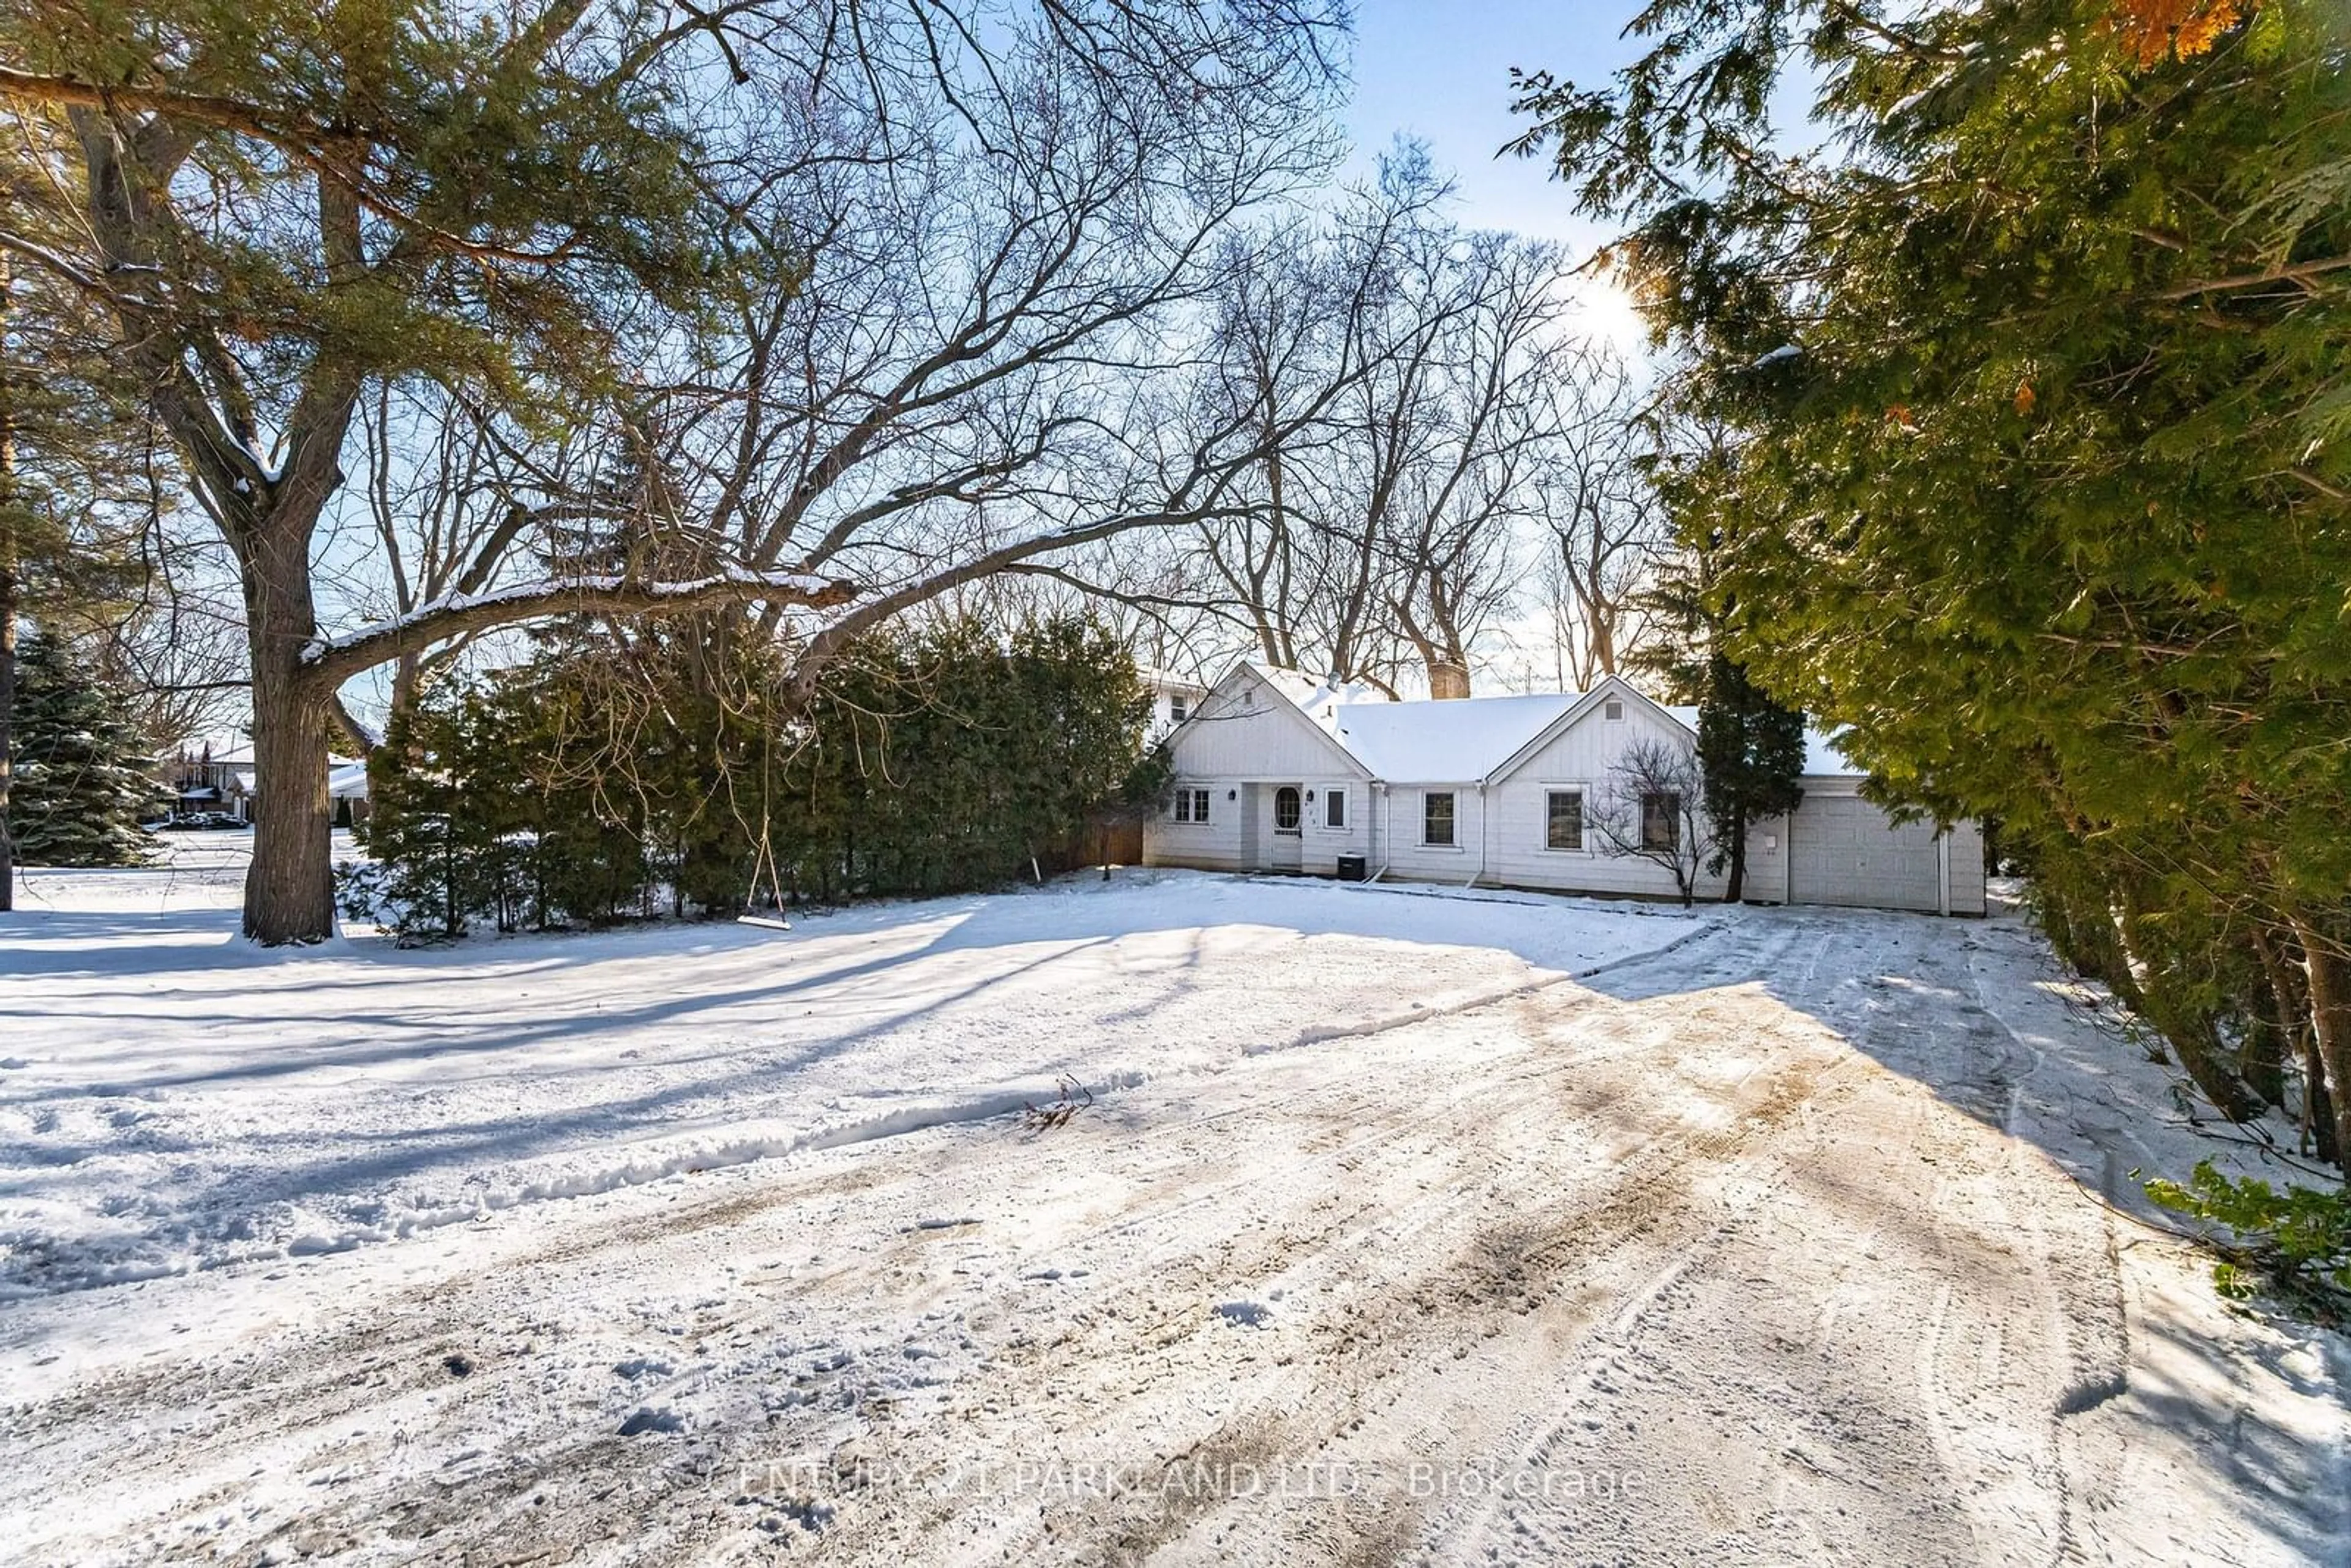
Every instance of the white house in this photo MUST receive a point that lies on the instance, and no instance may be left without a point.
(1277, 772)
(1173, 698)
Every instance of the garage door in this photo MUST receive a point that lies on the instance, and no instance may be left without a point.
(1846, 852)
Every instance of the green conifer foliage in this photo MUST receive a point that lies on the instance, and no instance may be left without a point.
(1753, 752)
(2036, 367)
(585, 787)
(81, 781)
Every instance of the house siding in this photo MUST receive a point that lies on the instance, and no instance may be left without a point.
(1407, 858)
(1967, 871)
(1580, 757)
(1245, 742)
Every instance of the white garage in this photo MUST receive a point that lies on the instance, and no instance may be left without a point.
(1843, 849)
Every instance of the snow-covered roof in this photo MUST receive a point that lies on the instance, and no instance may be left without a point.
(1455, 740)
(1315, 698)
(1168, 681)
(348, 782)
(1821, 757)
(1459, 739)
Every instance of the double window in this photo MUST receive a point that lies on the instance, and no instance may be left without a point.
(1436, 818)
(1191, 805)
(1177, 708)
(1661, 821)
(1563, 819)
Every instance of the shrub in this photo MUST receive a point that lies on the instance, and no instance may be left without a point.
(2296, 1243)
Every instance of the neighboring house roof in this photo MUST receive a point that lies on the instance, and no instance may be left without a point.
(1468, 738)
(348, 782)
(221, 754)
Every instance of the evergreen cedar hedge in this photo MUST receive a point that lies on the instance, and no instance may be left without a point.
(585, 791)
(2023, 398)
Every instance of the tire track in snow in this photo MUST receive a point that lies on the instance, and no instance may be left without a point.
(1684, 1187)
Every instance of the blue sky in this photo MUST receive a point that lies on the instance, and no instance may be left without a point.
(1442, 73)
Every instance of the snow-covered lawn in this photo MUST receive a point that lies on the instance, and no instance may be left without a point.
(1399, 1227)
(173, 1098)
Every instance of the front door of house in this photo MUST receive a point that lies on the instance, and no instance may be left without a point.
(1288, 838)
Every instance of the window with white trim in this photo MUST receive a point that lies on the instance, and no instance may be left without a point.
(1286, 813)
(1563, 819)
(1191, 805)
(1611, 709)
(1436, 818)
(1178, 708)
(1661, 821)
(1334, 808)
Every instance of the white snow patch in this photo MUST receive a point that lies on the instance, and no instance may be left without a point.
(190, 1101)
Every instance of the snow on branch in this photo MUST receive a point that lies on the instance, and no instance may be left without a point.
(339, 658)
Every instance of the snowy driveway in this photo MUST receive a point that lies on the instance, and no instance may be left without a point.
(1784, 1245)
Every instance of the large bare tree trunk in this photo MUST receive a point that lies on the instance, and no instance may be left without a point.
(289, 891)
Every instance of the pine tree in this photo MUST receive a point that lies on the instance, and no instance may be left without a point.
(76, 463)
(80, 777)
(1672, 662)
(1753, 752)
